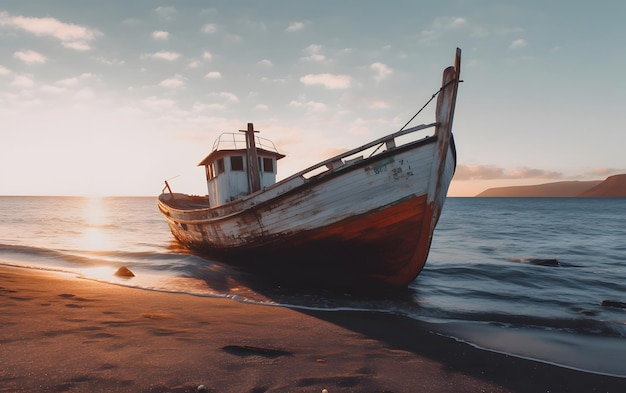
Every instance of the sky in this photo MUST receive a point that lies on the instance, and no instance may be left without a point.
(102, 99)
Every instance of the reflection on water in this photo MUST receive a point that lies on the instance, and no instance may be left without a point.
(95, 239)
(100, 273)
(95, 215)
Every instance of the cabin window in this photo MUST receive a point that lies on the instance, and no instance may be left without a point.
(220, 165)
(268, 165)
(236, 163)
(209, 172)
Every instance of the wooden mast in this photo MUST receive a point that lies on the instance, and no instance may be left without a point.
(254, 175)
(445, 114)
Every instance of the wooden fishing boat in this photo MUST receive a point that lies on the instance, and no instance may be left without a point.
(361, 217)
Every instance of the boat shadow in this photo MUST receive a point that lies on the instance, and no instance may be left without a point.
(369, 312)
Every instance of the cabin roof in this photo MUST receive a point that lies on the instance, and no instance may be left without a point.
(217, 154)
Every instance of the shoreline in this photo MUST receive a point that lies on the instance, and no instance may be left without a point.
(64, 333)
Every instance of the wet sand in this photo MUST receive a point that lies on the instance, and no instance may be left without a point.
(59, 333)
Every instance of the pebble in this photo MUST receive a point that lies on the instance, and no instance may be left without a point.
(124, 272)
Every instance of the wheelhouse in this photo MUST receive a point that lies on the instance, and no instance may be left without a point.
(239, 165)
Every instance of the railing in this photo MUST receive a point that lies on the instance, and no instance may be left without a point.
(234, 141)
(338, 161)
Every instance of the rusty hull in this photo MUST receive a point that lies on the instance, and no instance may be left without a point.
(363, 225)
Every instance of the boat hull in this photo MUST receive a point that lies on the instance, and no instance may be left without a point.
(371, 222)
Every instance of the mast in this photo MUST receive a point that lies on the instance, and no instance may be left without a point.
(254, 175)
(445, 112)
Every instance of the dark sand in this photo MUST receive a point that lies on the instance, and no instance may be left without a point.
(59, 333)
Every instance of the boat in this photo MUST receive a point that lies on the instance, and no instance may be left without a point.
(363, 217)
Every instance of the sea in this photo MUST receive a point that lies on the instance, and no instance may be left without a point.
(538, 278)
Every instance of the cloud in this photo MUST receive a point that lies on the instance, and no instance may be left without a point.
(275, 80)
(131, 21)
(531, 173)
(382, 71)
(30, 57)
(213, 75)
(520, 43)
(229, 96)
(200, 107)
(261, 107)
(173, 83)
(475, 172)
(607, 171)
(440, 26)
(311, 105)
(71, 36)
(4, 70)
(158, 103)
(491, 172)
(313, 52)
(70, 82)
(78, 45)
(295, 26)
(50, 89)
(166, 12)
(160, 35)
(265, 62)
(209, 28)
(165, 55)
(449, 23)
(344, 51)
(329, 81)
(22, 80)
(108, 61)
(206, 55)
(378, 104)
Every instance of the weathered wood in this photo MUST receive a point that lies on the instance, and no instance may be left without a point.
(167, 185)
(335, 215)
(254, 176)
(360, 149)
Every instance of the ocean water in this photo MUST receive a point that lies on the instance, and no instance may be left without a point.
(482, 283)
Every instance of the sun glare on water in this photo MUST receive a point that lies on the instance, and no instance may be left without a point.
(101, 273)
(94, 236)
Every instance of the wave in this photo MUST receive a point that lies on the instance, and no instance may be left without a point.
(67, 258)
(582, 325)
(506, 294)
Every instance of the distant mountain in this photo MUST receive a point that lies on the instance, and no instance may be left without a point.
(612, 186)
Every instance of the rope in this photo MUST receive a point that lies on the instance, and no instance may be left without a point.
(418, 112)
(426, 104)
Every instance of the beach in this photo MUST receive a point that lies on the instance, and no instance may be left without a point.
(62, 333)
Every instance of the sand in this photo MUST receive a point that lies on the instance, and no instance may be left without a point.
(60, 333)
